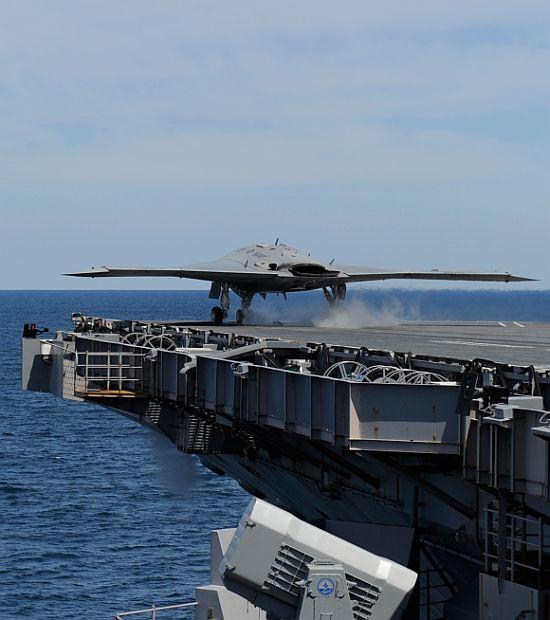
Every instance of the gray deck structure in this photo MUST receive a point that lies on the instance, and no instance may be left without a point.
(423, 442)
(508, 342)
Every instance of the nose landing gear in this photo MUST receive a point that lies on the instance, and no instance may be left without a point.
(219, 313)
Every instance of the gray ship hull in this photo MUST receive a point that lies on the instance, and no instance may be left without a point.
(444, 469)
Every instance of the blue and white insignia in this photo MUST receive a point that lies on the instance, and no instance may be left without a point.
(325, 586)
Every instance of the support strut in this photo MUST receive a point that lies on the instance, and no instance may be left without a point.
(246, 301)
(335, 293)
(224, 300)
(219, 313)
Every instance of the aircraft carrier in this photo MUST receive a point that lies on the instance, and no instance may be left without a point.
(425, 443)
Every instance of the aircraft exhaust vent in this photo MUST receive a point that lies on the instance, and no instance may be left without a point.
(310, 270)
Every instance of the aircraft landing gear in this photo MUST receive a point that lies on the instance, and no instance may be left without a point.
(219, 313)
(336, 294)
(216, 315)
(246, 301)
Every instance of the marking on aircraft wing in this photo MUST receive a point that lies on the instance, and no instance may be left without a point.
(502, 324)
(484, 344)
(518, 324)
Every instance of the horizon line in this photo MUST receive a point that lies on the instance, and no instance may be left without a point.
(202, 290)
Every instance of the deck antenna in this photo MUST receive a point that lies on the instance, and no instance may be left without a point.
(277, 241)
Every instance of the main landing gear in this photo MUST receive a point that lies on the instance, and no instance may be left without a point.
(246, 301)
(219, 313)
(335, 294)
(216, 315)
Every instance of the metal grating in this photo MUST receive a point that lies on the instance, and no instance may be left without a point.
(363, 595)
(153, 410)
(290, 567)
(197, 435)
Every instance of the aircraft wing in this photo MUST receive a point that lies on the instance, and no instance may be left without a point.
(358, 274)
(208, 273)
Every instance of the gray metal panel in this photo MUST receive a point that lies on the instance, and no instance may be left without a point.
(470, 452)
(182, 384)
(342, 412)
(513, 458)
(250, 409)
(206, 382)
(167, 364)
(218, 602)
(530, 471)
(483, 452)
(35, 370)
(271, 397)
(323, 408)
(172, 384)
(405, 417)
(227, 392)
(49, 366)
(219, 542)
(500, 598)
(298, 403)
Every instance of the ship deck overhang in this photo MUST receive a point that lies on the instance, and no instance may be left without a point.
(439, 428)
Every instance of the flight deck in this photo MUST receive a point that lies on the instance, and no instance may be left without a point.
(502, 341)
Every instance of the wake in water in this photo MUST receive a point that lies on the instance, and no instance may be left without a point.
(174, 470)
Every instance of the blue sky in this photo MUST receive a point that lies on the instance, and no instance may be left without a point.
(385, 134)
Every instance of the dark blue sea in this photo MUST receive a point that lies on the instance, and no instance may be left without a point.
(98, 514)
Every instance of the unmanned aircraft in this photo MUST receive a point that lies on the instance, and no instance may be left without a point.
(278, 268)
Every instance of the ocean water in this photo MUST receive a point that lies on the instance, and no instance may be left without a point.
(98, 514)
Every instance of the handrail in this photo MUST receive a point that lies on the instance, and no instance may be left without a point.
(112, 371)
(154, 610)
(54, 344)
(108, 353)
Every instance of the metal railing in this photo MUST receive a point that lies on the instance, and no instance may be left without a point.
(525, 543)
(123, 370)
(432, 607)
(154, 610)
